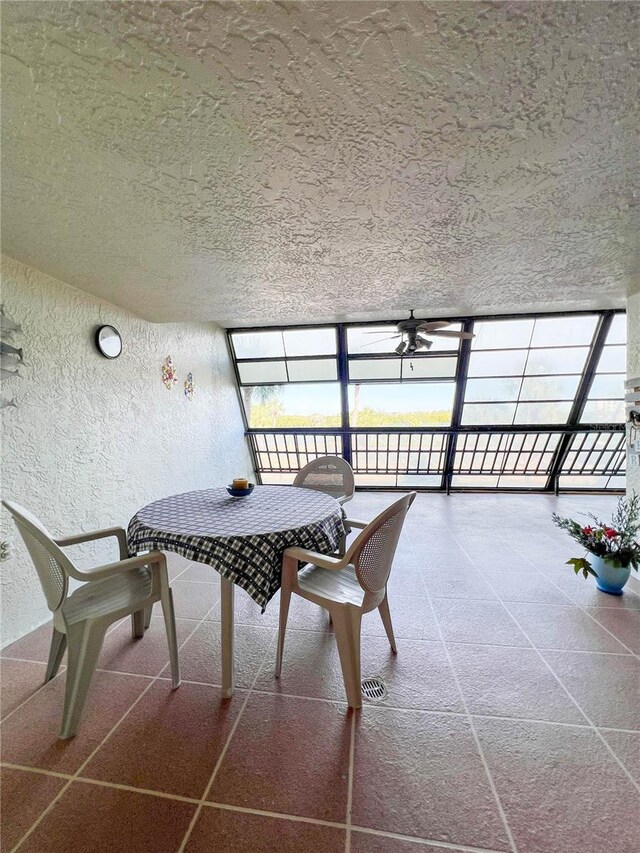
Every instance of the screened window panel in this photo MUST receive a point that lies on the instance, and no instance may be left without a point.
(380, 368)
(262, 372)
(603, 411)
(420, 481)
(412, 404)
(613, 360)
(294, 406)
(368, 339)
(258, 344)
(488, 413)
(561, 360)
(507, 363)
(608, 386)
(313, 370)
(474, 481)
(310, 341)
(522, 481)
(543, 413)
(502, 334)
(549, 388)
(568, 331)
(426, 367)
(492, 390)
(618, 330)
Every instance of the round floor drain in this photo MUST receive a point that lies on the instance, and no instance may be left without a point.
(374, 688)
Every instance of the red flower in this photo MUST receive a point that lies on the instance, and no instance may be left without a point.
(587, 531)
(610, 533)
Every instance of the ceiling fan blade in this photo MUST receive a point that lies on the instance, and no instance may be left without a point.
(436, 324)
(463, 335)
(401, 347)
(380, 340)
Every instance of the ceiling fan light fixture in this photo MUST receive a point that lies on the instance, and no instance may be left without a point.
(401, 347)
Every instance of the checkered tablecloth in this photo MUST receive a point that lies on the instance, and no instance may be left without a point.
(241, 538)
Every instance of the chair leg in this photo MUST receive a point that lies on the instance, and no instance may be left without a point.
(383, 608)
(346, 625)
(148, 612)
(137, 625)
(285, 600)
(169, 614)
(56, 653)
(85, 642)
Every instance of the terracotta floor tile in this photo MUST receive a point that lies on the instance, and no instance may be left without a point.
(290, 756)
(33, 646)
(622, 623)
(560, 788)
(18, 681)
(176, 564)
(405, 580)
(511, 682)
(310, 667)
(607, 687)
(30, 736)
(626, 746)
(303, 615)
(225, 831)
(170, 741)
(477, 622)
(365, 842)
(585, 592)
(562, 628)
(419, 676)
(200, 657)
(468, 584)
(420, 774)
(24, 797)
(412, 619)
(526, 586)
(105, 820)
(194, 600)
(145, 656)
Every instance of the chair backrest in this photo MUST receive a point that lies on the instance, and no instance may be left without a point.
(373, 551)
(50, 561)
(329, 474)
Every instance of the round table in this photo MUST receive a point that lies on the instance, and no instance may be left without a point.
(243, 539)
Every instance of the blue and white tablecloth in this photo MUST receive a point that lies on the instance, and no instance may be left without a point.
(241, 538)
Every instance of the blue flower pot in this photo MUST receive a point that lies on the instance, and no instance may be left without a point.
(610, 579)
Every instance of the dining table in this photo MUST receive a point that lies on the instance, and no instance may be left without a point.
(241, 538)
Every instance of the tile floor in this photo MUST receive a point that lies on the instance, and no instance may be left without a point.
(512, 721)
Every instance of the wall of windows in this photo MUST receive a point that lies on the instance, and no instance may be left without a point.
(532, 403)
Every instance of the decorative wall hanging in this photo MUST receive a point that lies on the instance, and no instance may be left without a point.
(108, 341)
(189, 390)
(11, 357)
(169, 376)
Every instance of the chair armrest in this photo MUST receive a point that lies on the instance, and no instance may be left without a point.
(110, 569)
(107, 532)
(353, 523)
(344, 498)
(322, 560)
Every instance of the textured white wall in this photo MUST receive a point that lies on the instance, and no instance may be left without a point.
(92, 440)
(633, 369)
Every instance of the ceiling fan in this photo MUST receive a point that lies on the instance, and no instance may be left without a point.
(411, 328)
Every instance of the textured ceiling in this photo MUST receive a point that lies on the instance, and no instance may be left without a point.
(255, 163)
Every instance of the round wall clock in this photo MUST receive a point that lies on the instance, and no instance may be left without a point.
(108, 341)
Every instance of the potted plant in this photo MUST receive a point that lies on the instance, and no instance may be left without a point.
(614, 547)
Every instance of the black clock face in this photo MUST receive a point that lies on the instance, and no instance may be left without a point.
(108, 341)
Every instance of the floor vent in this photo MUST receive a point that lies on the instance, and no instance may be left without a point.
(374, 689)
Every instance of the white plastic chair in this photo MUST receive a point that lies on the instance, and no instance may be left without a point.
(329, 474)
(128, 587)
(347, 587)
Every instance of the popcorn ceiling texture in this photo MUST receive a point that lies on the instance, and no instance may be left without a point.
(93, 440)
(285, 162)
